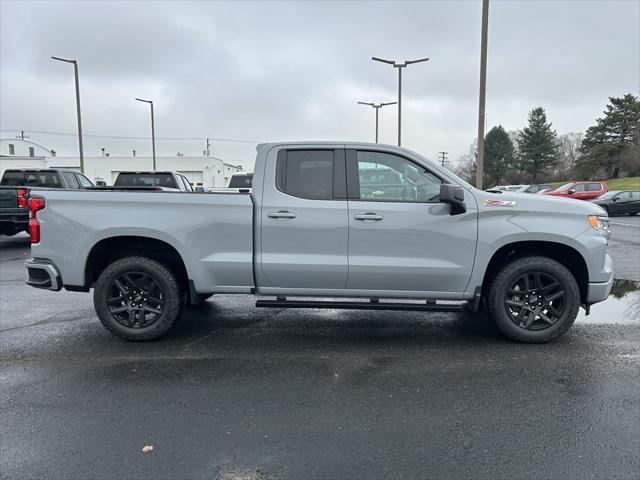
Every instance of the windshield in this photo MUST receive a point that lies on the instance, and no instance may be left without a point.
(565, 187)
(609, 194)
(31, 179)
(146, 180)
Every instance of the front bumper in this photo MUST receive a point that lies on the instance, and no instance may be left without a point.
(598, 292)
(43, 274)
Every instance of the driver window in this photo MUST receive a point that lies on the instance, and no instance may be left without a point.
(388, 177)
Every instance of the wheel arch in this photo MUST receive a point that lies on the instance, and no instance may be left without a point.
(564, 254)
(109, 249)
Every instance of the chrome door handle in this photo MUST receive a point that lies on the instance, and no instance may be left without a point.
(368, 216)
(281, 214)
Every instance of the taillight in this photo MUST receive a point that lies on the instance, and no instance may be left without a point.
(22, 197)
(35, 204)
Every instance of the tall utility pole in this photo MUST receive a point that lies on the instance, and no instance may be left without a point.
(483, 89)
(399, 66)
(208, 147)
(153, 130)
(75, 72)
(377, 107)
(443, 159)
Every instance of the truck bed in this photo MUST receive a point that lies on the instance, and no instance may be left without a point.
(213, 233)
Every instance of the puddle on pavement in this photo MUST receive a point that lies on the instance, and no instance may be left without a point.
(622, 307)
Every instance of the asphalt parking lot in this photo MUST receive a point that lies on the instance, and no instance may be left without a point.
(239, 393)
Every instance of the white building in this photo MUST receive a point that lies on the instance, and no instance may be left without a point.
(200, 170)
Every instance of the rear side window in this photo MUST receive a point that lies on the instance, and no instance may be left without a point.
(146, 180)
(84, 181)
(580, 187)
(31, 179)
(593, 187)
(311, 174)
(70, 178)
(240, 181)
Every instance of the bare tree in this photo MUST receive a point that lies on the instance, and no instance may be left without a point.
(568, 145)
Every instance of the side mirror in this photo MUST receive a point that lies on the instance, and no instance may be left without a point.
(572, 191)
(454, 196)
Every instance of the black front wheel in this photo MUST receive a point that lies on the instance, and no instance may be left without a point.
(534, 299)
(137, 298)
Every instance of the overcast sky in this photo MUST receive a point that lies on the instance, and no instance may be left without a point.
(270, 71)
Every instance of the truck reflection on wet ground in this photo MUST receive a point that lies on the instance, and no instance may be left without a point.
(622, 307)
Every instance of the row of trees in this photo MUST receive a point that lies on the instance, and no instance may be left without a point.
(537, 153)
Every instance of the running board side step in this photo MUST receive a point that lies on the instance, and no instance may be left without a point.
(429, 306)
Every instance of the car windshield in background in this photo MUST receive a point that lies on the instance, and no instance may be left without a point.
(241, 181)
(609, 194)
(146, 180)
(30, 179)
(565, 187)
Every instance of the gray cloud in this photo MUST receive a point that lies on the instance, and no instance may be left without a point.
(294, 70)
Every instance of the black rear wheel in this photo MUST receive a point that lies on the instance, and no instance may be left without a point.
(137, 298)
(534, 299)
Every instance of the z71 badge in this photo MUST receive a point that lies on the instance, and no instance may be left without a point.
(500, 203)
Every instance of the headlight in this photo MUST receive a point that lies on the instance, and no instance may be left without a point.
(599, 223)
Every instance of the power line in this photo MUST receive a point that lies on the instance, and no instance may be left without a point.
(127, 137)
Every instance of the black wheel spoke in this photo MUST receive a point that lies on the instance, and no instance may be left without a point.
(123, 308)
(544, 317)
(550, 286)
(149, 309)
(514, 303)
(555, 296)
(116, 300)
(132, 318)
(120, 286)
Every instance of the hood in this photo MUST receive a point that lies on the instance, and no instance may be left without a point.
(526, 202)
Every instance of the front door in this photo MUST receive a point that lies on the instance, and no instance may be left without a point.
(304, 226)
(400, 237)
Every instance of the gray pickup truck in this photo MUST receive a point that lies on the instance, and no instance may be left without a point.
(327, 225)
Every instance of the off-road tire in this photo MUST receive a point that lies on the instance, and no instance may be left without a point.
(503, 282)
(173, 298)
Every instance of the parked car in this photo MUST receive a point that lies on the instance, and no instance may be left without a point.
(534, 188)
(505, 188)
(620, 202)
(166, 180)
(422, 239)
(15, 186)
(580, 190)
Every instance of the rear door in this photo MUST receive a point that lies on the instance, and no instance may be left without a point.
(303, 218)
(400, 237)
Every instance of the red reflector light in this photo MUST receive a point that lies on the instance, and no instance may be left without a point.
(35, 204)
(22, 200)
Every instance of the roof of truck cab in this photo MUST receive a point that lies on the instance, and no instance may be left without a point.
(146, 172)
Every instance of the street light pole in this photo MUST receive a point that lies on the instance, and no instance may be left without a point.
(377, 107)
(153, 130)
(399, 66)
(483, 90)
(75, 72)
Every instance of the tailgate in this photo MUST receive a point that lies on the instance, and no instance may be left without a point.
(8, 198)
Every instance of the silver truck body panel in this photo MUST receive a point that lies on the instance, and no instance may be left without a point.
(212, 233)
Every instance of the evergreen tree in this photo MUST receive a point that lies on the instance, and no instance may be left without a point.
(608, 144)
(498, 155)
(537, 145)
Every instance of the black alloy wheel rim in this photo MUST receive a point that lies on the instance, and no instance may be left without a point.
(135, 300)
(535, 301)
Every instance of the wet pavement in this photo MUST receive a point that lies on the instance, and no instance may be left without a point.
(239, 393)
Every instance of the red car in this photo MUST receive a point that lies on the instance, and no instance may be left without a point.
(580, 190)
